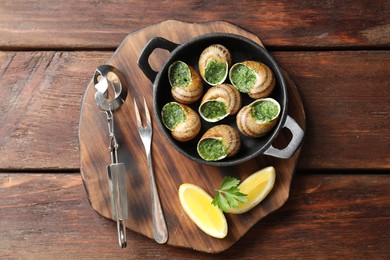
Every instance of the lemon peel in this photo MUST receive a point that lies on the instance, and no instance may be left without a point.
(197, 204)
(257, 186)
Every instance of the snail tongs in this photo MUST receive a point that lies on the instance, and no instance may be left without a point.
(108, 79)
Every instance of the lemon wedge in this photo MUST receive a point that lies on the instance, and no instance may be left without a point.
(197, 204)
(256, 186)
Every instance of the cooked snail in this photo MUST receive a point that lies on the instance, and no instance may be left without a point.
(219, 102)
(259, 117)
(219, 142)
(181, 120)
(252, 77)
(214, 63)
(186, 84)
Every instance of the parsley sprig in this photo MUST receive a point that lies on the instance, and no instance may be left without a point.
(229, 195)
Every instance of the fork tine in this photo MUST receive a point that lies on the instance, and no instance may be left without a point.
(139, 123)
(148, 120)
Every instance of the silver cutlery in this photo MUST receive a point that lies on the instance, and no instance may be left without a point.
(146, 132)
(116, 171)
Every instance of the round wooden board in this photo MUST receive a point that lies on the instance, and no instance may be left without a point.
(171, 168)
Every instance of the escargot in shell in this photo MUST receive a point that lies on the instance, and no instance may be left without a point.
(181, 120)
(214, 63)
(219, 102)
(219, 142)
(186, 84)
(259, 117)
(252, 77)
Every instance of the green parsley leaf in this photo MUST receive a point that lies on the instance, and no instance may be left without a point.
(229, 182)
(229, 196)
(221, 202)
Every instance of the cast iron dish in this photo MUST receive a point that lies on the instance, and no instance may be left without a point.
(242, 49)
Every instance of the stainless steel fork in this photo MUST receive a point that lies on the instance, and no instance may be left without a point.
(159, 225)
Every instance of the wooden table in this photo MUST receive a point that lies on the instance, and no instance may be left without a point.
(337, 53)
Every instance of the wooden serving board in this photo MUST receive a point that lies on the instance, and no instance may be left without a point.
(171, 168)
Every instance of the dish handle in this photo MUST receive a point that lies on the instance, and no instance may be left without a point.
(296, 140)
(143, 60)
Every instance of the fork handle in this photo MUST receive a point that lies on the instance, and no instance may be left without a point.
(159, 225)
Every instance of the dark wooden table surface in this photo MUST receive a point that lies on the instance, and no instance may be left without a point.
(337, 53)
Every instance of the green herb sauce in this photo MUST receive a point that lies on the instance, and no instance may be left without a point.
(213, 109)
(264, 111)
(215, 71)
(172, 114)
(211, 149)
(243, 78)
(179, 74)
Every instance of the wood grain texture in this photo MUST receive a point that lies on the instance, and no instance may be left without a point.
(95, 25)
(46, 216)
(40, 97)
(331, 213)
(347, 106)
(36, 85)
(171, 169)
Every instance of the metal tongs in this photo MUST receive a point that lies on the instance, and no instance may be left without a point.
(108, 79)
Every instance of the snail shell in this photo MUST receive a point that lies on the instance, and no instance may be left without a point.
(181, 120)
(214, 63)
(259, 117)
(223, 100)
(186, 84)
(219, 142)
(256, 78)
